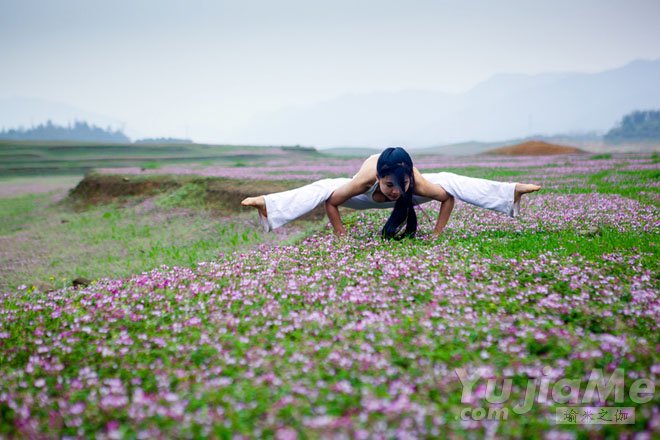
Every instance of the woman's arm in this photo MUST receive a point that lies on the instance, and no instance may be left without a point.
(335, 218)
(360, 184)
(446, 208)
(424, 188)
(351, 189)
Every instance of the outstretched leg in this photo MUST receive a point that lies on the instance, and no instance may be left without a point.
(503, 197)
(280, 208)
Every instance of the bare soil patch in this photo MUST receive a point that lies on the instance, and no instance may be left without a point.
(220, 194)
(535, 148)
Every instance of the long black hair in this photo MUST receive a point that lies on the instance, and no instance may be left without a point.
(396, 162)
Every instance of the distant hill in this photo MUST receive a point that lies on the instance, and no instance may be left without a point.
(350, 152)
(534, 148)
(461, 148)
(79, 131)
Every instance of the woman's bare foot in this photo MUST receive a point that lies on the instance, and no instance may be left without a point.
(522, 188)
(260, 204)
(256, 202)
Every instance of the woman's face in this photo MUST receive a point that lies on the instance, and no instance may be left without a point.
(390, 189)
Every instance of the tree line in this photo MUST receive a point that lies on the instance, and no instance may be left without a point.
(79, 131)
(636, 126)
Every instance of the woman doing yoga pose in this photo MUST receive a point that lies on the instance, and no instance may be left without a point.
(389, 180)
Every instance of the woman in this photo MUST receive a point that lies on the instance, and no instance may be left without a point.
(384, 181)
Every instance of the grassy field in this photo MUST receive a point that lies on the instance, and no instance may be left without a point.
(496, 329)
(58, 185)
(116, 230)
(31, 158)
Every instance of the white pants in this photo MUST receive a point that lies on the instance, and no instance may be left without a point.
(285, 206)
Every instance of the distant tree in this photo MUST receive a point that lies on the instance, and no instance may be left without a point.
(80, 131)
(636, 126)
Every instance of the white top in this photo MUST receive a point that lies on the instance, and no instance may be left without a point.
(370, 192)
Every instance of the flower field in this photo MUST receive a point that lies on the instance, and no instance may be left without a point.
(487, 331)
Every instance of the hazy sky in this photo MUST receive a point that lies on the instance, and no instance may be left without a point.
(203, 68)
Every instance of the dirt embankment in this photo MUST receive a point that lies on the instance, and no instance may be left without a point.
(215, 193)
(535, 148)
(99, 189)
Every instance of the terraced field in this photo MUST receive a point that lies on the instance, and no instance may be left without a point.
(540, 327)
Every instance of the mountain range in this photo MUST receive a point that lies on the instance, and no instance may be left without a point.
(505, 106)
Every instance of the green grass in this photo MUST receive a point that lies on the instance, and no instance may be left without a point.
(637, 184)
(151, 165)
(17, 213)
(591, 244)
(57, 244)
(69, 180)
(190, 195)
